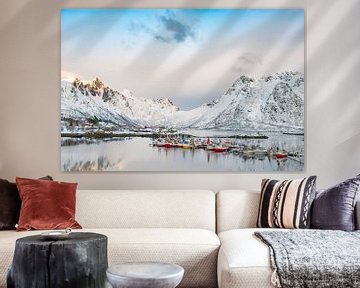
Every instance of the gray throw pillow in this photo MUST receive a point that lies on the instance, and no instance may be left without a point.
(334, 208)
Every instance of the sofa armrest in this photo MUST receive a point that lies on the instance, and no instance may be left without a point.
(357, 215)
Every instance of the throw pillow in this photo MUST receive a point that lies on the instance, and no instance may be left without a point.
(10, 203)
(286, 204)
(46, 204)
(334, 208)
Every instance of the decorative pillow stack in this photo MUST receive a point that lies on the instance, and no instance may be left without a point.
(46, 204)
(286, 204)
(334, 208)
(10, 204)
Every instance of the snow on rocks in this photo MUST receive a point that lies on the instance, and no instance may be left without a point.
(268, 103)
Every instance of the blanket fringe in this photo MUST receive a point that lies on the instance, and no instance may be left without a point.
(275, 280)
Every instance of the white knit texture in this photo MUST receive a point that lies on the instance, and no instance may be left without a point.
(146, 209)
(244, 261)
(236, 209)
(196, 250)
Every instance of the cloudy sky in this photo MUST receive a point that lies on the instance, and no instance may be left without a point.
(191, 56)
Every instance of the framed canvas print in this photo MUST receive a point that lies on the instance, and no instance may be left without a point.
(182, 90)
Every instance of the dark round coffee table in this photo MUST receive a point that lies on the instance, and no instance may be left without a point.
(79, 260)
(145, 275)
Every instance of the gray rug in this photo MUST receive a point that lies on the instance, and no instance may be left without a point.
(314, 258)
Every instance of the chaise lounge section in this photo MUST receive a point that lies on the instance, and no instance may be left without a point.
(244, 260)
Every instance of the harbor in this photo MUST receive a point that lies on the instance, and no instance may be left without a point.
(227, 145)
(185, 151)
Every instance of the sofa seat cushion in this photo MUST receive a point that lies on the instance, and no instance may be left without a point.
(244, 261)
(194, 249)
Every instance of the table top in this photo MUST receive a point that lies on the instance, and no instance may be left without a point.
(146, 270)
(73, 237)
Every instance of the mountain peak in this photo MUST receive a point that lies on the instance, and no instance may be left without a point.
(167, 102)
(95, 84)
(243, 80)
(98, 84)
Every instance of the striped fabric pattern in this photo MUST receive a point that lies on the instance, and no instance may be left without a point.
(286, 204)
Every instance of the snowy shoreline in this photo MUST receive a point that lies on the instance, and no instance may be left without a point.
(101, 134)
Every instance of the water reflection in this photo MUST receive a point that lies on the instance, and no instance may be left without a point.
(101, 164)
(136, 154)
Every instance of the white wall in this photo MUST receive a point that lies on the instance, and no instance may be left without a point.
(30, 94)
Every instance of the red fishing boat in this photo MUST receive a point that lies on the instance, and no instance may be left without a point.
(280, 155)
(220, 149)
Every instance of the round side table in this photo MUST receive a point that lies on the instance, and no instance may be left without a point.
(145, 275)
(78, 261)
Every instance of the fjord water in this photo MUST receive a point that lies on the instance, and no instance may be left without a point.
(137, 154)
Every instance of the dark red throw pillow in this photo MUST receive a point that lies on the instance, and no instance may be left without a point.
(46, 204)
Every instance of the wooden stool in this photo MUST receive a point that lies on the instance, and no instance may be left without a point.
(78, 261)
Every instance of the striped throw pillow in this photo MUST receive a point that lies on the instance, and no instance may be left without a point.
(286, 204)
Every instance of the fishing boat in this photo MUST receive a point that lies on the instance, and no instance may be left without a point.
(168, 145)
(210, 147)
(178, 145)
(219, 149)
(281, 155)
(200, 146)
(248, 152)
(230, 145)
(158, 144)
(260, 152)
(187, 146)
(296, 154)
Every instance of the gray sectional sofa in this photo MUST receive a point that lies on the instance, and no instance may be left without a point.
(209, 234)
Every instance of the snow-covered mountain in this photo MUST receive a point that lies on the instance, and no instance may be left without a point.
(270, 102)
(86, 101)
(257, 104)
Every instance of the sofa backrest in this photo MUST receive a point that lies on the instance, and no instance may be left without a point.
(236, 209)
(239, 209)
(146, 209)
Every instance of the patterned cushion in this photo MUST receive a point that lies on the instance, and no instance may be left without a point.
(286, 204)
